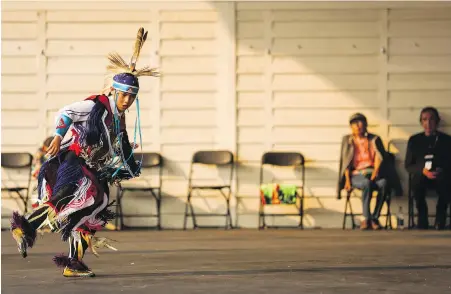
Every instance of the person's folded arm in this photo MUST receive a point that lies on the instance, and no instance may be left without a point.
(411, 163)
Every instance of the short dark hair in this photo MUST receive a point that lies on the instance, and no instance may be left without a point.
(358, 117)
(430, 109)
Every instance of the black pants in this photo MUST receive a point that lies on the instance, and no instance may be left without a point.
(443, 188)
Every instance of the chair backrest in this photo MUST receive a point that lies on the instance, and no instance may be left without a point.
(17, 160)
(216, 157)
(150, 159)
(283, 158)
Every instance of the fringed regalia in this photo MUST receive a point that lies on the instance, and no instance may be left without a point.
(73, 184)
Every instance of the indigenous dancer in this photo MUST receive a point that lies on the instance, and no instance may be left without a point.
(73, 182)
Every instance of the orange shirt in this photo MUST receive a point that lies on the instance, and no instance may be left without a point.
(364, 154)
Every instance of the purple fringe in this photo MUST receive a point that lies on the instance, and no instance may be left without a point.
(106, 215)
(68, 173)
(61, 260)
(18, 221)
(41, 176)
(95, 125)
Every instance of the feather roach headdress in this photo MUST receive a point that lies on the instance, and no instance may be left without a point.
(123, 76)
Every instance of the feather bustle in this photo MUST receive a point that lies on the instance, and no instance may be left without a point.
(119, 65)
(140, 39)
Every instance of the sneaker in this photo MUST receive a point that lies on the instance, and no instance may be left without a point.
(77, 268)
(19, 236)
(70, 272)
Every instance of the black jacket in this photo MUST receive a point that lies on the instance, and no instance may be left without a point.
(419, 145)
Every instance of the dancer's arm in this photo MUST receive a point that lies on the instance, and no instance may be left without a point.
(75, 112)
(127, 148)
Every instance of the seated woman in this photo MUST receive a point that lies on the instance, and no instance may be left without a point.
(360, 166)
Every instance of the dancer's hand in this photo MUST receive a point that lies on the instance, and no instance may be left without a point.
(54, 146)
(134, 145)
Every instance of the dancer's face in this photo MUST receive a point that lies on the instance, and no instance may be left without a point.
(124, 100)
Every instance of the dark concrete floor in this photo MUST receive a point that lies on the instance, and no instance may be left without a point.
(242, 261)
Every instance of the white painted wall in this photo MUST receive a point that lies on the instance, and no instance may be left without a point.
(244, 76)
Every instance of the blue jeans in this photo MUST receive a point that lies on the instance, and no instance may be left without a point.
(367, 187)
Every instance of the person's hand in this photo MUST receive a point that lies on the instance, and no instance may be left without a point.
(134, 145)
(430, 175)
(373, 177)
(348, 185)
(54, 146)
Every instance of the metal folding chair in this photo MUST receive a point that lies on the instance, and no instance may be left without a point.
(150, 160)
(352, 215)
(387, 201)
(411, 205)
(284, 159)
(218, 158)
(18, 161)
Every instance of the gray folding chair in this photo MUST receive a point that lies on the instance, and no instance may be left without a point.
(218, 158)
(284, 159)
(149, 161)
(18, 162)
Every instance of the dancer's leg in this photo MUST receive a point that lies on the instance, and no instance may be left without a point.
(73, 264)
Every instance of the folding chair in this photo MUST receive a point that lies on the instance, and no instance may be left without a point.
(217, 158)
(150, 160)
(284, 159)
(352, 215)
(387, 201)
(18, 161)
(411, 205)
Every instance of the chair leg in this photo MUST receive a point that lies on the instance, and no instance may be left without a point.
(260, 226)
(261, 218)
(345, 214)
(228, 217)
(193, 215)
(120, 209)
(411, 213)
(157, 197)
(302, 213)
(116, 222)
(24, 201)
(159, 213)
(352, 214)
(188, 199)
(388, 220)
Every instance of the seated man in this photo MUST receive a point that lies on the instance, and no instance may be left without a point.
(360, 164)
(428, 161)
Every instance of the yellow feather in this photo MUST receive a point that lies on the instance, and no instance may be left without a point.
(117, 63)
(140, 39)
(147, 71)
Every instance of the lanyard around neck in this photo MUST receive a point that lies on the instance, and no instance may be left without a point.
(435, 143)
